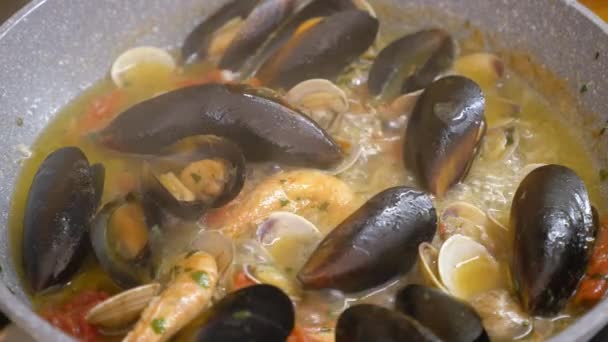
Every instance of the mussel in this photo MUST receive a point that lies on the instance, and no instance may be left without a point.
(194, 174)
(320, 48)
(120, 235)
(199, 42)
(264, 129)
(376, 243)
(554, 228)
(61, 203)
(411, 63)
(260, 313)
(444, 133)
(366, 322)
(447, 317)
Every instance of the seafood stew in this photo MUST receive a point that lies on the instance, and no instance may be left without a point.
(210, 183)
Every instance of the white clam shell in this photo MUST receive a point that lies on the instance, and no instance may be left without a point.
(138, 55)
(316, 94)
(427, 259)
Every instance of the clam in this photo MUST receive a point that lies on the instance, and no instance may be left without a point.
(320, 48)
(288, 238)
(554, 229)
(257, 313)
(448, 318)
(444, 133)
(320, 99)
(120, 236)
(122, 310)
(427, 261)
(366, 322)
(271, 275)
(218, 246)
(467, 268)
(225, 111)
(411, 63)
(376, 243)
(484, 68)
(61, 203)
(502, 315)
(152, 58)
(214, 35)
(194, 174)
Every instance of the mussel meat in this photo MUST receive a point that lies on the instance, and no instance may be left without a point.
(554, 228)
(376, 243)
(320, 48)
(120, 235)
(260, 313)
(445, 132)
(61, 203)
(200, 41)
(411, 63)
(366, 322)
(264, 129)
(447, 317)
(194, 174)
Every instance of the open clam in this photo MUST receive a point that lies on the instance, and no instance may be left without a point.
(271, 275)
(320, 99)
(119, 312)
(427, 261)
(467, 268)
(155, 61)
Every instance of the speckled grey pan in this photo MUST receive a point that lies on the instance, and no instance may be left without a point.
(52, 50)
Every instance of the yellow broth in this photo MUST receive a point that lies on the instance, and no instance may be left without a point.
(490, 184)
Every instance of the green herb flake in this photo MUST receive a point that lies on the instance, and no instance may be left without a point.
(158, 326)
(325, 329)
(324, 206)
(196, 177)
(19, 121)
(584, 88)
(243, 314)
(597, 55)
(603, 175)
(285, 202)
(201, 278)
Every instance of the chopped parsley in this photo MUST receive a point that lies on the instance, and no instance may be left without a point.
(19, 121)
(201, 278)
(243, 314)
(196, 177)
(584, 88)
(603, 175)
(324, 206)
(509, 136)
(158, 325)
(285, 202)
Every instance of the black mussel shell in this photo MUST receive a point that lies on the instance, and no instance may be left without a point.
(320, 48)
(554, 227)
(376, 243)
(61, 203)
(120, 236)
(447, 317)
(366, 323)
(411, 63)
(197, 43)
(260, 313)
(264, 129)
(183, 156)
(444, 133)
(265, 18)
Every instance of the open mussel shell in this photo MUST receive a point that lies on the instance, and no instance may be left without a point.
(61, 203)
(554, 227)
(118, 312)
(376, 243)
(220, 27)
(320, 48)
(366, 322)
(444, 133)
(447, 317)
(120, 236)
(411, 63)
(194, 174)
(260, 313)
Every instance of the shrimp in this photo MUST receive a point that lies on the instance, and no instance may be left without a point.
(186, 296)
(321, 198)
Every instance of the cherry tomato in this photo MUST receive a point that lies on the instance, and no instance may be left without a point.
(594, 285)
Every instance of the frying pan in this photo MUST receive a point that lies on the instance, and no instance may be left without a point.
(54, 49)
